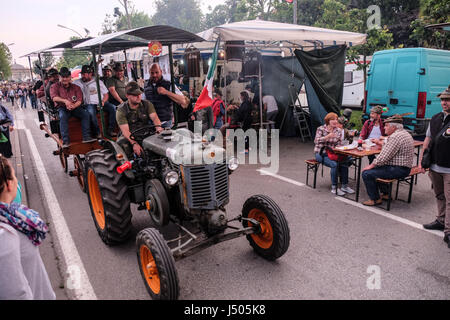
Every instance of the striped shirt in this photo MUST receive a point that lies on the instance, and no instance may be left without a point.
(320, 140)
(398, 150)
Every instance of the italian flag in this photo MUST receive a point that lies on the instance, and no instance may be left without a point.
(206, 96)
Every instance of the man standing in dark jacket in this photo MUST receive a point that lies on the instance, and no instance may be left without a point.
(158, 91)
(438, 135)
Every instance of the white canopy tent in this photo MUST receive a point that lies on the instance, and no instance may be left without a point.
(260, 34)
(268, 31)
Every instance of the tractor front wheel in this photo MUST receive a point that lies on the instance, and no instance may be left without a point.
(157, 265)
(272, 241)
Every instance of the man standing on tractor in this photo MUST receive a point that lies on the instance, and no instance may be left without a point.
(158, 91)
(116, 85)
(135, 114)
(68, 98)
(89, 87)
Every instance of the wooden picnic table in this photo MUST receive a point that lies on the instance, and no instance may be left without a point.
(358, 155)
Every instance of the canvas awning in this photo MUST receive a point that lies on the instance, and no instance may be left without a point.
(268, 31)
(139, 37)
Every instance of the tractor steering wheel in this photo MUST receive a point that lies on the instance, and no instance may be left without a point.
(143, 132)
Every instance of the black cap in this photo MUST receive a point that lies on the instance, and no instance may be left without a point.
(64, 72)
(86, 69)
(52, 72)
(107, 67)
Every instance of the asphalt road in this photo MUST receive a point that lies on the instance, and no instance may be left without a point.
(338, 250)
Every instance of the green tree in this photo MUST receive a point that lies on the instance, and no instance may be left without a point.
(431, 12)
(72, 58)
(183, 14)
(5, 62)
(47, 61)
(218, 16)
(118, 21)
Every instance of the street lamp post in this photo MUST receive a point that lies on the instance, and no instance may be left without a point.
(64, 27)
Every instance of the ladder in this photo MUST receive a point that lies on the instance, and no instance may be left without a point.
(299, 113)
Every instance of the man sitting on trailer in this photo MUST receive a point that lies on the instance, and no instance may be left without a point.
(53, 77)
(116, 86)
(88, 86)
(68, 98)
(134, 114)
(107, 73)
(158, 91)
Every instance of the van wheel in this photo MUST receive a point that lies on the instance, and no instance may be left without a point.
(108, 197)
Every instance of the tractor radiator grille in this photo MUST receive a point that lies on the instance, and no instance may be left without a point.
(207, 186)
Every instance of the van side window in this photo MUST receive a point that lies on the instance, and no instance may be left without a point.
(348, 77)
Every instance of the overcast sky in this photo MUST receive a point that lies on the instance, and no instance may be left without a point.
(32, 24)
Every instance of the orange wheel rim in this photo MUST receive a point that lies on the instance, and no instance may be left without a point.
(148, 266)
(96, 199)
(265, 238)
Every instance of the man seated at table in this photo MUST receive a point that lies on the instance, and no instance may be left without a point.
(394, 162)
(373, 128)
(328, 136)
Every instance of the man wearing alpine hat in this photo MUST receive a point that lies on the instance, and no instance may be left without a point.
(395, 160)
(438, 139)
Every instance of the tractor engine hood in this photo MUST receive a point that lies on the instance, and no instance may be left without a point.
(183, 148)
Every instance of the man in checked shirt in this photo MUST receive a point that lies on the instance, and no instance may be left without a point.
(395, 160)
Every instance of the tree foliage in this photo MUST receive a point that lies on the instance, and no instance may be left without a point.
(431, 12)
(47, 59)
(72, 58)
(118, 21)
(183, 14)
(5, 61)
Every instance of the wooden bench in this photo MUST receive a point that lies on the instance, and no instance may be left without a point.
(408, 180)
(313, 165)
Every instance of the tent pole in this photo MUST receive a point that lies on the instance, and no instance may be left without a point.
(225, 82)
(172, 82)
(260, 93)
(42, 74)
(100, 98)
(126, 63)
(31, 70)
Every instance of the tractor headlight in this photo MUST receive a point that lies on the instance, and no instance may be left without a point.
(171, 178)
(233, 164)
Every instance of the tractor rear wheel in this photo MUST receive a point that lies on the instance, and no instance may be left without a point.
(273, 239)
(108, 197)
(157, 265)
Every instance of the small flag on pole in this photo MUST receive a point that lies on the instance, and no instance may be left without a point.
(206, 96)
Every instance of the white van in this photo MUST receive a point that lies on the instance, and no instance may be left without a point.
(353, 93)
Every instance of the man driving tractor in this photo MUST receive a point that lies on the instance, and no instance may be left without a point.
(135, 114)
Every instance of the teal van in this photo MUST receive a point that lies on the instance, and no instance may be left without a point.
(407, 81)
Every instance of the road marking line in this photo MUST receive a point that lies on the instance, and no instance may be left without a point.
(390, 216)
(20, 125)
(83, 289)
(360, 205)
(267, 173)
